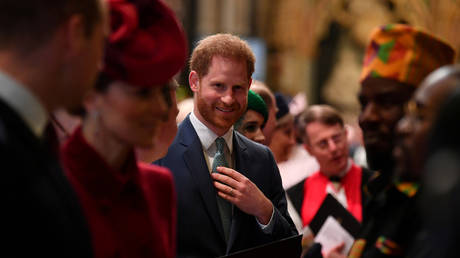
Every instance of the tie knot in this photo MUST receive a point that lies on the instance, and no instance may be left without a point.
(335, 179)
(220, 144)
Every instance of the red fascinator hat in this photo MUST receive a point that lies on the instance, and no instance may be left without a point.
(146, 46)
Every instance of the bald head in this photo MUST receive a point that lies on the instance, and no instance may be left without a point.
(438, 85)
(422, 110)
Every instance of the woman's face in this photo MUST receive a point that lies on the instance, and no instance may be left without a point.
(283, 140)
(168, 129)
(133, 115)
(251, 126)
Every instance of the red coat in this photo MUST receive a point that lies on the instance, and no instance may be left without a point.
(129, 215)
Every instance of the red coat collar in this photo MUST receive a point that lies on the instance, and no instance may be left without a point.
(90, 170)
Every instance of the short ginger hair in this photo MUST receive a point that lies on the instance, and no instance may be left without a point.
(224, 45)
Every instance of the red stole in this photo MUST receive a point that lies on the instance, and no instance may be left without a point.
(315, 192)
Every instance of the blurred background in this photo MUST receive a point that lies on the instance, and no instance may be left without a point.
(312, 47)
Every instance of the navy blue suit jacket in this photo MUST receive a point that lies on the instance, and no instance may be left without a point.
(199, 228)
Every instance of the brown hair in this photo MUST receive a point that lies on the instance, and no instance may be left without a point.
(26, 25)
(225, 45)
(319, 113)
(262, 89)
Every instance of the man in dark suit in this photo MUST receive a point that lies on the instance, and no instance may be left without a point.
(49, 56)
(229, 189)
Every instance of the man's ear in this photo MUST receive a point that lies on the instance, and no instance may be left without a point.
(73, 35)
(194, 81)
(90, 100)
(347, 133)
(250, 82)
(307, 147)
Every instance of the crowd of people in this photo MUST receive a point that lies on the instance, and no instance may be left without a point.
(240, 169)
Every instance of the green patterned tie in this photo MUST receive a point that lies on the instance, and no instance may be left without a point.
(225, 208)
(219, 158)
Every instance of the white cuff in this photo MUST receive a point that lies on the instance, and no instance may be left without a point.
(268, 229)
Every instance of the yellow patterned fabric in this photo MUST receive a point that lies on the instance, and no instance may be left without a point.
(388, 247)
(405, 54)
(408, 188)
(357, 248)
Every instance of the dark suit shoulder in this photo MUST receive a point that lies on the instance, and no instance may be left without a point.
(41, 210)
(366, 175)
(185, 137)
(255, 148)
(13, 129)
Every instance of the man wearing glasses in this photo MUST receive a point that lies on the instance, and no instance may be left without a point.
(326, 140)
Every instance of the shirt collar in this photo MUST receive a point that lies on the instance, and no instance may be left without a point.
(207, 136)
(347, 169)
(344, 172)
(20, 99)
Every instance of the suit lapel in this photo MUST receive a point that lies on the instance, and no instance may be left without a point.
(241, 165)
(194, 159)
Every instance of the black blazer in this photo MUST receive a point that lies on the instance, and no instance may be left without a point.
(40, 214)
(199, 228)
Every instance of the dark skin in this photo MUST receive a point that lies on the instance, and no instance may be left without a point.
(382, 106)
(413, 129)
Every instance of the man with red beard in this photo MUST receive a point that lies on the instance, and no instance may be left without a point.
(229, 190)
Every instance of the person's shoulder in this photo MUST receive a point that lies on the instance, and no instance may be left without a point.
(186, 133)
(151, 170)
(156, 181)
(3, 132)
(9, 124)
(299, 187)
(368, 175)
(254, 146)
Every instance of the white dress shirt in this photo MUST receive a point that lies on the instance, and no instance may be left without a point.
(24, 102)
(339, 194)
(208, 142)
(207, 138)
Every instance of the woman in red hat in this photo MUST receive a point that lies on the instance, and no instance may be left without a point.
(129, 206)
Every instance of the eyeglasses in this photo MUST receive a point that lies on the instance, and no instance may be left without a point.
(338, 139)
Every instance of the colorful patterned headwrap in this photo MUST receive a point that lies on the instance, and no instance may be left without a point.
(405, 54)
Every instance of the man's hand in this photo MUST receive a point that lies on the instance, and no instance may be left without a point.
(244, 194)
(336, 252)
